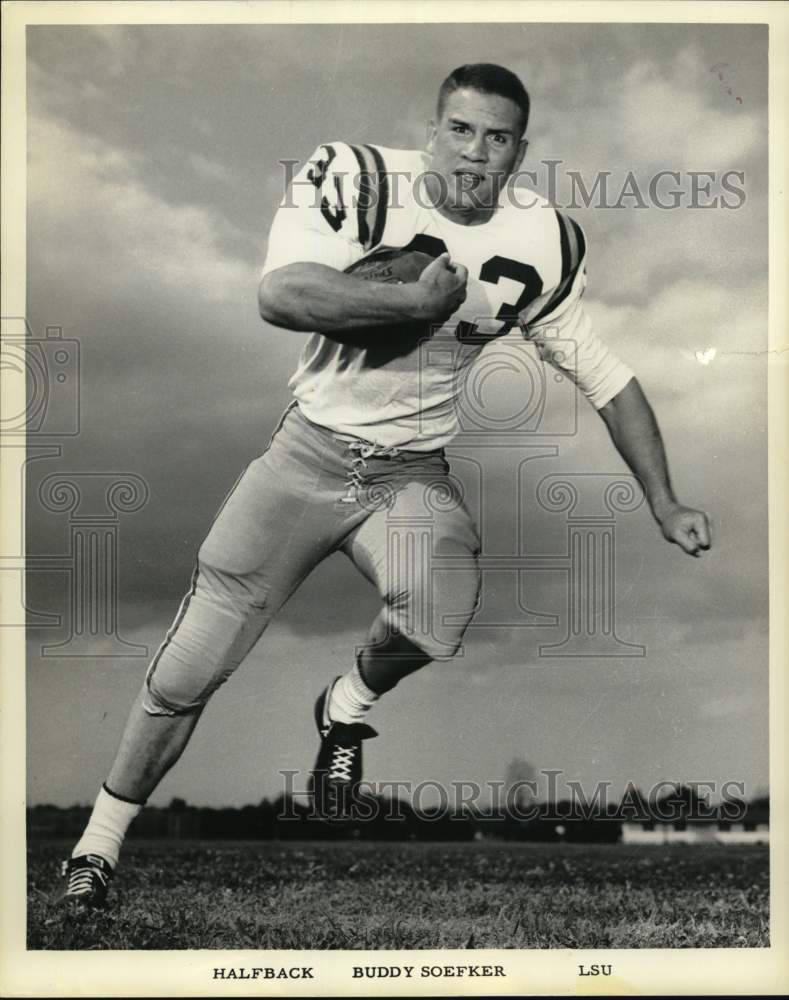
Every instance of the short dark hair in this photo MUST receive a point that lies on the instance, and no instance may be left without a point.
(490, 79)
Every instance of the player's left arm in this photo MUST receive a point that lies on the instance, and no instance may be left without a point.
(635, 432)
(559, 326)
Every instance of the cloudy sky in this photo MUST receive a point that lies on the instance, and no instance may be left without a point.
(153, 178)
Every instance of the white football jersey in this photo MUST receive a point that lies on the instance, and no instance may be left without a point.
(525, 269)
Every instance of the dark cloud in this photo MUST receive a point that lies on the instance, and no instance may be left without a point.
(153, 179)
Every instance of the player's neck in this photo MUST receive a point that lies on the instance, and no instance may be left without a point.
(466, 216)
(461, 215)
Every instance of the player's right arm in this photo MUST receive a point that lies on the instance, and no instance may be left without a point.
(319, 231)
(318, 298)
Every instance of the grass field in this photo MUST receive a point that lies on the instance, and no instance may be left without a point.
(368, 895)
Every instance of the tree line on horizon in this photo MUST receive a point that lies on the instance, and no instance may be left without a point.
(376, 818)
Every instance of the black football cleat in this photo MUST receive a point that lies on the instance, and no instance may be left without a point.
(338, 767)
(86, 880)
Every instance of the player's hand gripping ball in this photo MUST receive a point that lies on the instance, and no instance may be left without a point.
(398, 267)
(442, 287)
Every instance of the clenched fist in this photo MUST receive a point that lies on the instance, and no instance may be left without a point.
(688, 528)
(442, 286)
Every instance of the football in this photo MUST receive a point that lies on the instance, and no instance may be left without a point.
(399, 267)
(384, 343)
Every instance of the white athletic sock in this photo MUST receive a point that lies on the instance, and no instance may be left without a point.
(351, 699)
(107, 827)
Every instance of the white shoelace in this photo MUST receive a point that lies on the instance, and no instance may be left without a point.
(81, 880)
(341, 763)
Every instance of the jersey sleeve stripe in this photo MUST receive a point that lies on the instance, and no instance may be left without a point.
(364, 197)
(564, 243)
(556, 299)
(382, 199)
(573, 250)
(580, 243)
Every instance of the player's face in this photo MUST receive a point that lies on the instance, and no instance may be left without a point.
(475, 145)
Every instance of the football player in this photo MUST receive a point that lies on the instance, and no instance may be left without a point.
(357, 462)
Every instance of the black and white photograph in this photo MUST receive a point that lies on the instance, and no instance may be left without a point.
(387, 574)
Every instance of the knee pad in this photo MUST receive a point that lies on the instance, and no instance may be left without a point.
(435, 608)
(211, 635)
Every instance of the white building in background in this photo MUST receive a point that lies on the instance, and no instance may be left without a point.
(703, 833)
